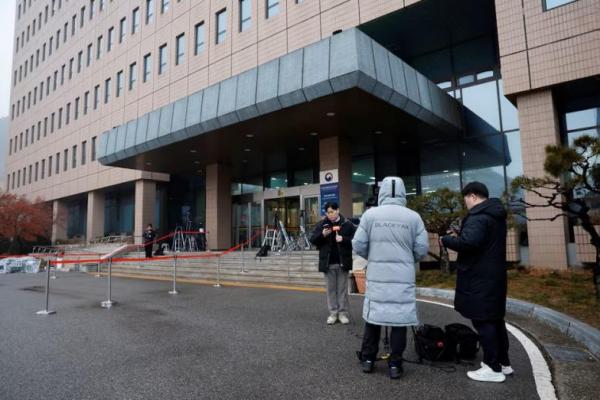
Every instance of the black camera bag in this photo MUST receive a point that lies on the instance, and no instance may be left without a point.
(429, 342)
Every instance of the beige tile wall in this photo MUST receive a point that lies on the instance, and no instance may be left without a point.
(543, 48)
(539, 127)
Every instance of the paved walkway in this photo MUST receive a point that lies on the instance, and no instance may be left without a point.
(206, 343)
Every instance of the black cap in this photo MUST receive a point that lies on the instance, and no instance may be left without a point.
(476, 188)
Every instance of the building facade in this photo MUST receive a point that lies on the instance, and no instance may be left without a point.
(225, 113)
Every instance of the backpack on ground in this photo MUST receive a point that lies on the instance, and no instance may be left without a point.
(462, 342)
(429, 342)
(263, 251)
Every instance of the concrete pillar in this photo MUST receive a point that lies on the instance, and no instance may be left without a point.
(95, 215)
(538, 121)
(218, 206)
(335, 153)
(145, 199)
(59, 223)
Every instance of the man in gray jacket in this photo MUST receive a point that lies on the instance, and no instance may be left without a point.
(392, 238)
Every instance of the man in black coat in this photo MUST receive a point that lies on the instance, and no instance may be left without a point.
(149, 236)
(481, 278)
(333, 237)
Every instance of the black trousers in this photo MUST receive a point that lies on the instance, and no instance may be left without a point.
(370, 344)
(494, 342)
(148, 248)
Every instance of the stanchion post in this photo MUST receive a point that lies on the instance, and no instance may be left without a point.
(45, 311)
(108, 303)
(288, 263)
(56, 266)
(243, 260)
(174, 290)
(98, 273)
(218, 284)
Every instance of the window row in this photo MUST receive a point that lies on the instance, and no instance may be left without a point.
(49, 10)
(59, 77)
(52, 165)
(53, 44)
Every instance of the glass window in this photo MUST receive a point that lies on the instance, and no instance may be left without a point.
(162, 59)
(91, 9)
(440, 166)
(99, 47)
(277, 180)
(149, 11)
(245, 14)
(110, 39)
(74, 156)
(66, 160)
(180, 51)
(94, 148)
(363, 182)
(514, 161)
(119, 83)
(107, 90)
(550, 4)
(96, 96)
(164, 6)
(483, 160)
(132, 75)
(221, 25)
(89, 55)
(122, 29)
(83, 152)
(199, 38)
(57, 165)
(510, 114)
(147, 67)
(482, 99)
(272, 8)
(583, 119)
(79, 61)
(135, 18)
(303, 177)
(86, 102)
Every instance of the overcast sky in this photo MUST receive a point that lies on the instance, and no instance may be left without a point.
(7, 28)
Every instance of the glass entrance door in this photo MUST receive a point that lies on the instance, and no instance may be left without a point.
(287, 210)
(246, 222)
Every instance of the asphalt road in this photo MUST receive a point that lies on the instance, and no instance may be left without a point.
(206, 343)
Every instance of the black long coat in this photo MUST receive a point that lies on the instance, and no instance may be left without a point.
(324, 244)
(481, 276)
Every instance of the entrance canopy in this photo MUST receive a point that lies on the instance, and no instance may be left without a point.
(346, 84)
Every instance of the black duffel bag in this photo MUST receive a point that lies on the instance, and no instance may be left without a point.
(462, 342)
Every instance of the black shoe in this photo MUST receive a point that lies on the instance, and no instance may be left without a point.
(396, 371)
(367, 366)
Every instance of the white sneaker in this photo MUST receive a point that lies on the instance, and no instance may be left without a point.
(486, 374)
(506, 370)
(331, 319)
(344, 319)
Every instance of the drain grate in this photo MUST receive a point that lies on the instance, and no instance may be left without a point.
(565, 353)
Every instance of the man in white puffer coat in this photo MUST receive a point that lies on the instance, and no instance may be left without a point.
(392, 238)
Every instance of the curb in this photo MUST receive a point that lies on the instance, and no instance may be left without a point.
(581, 332)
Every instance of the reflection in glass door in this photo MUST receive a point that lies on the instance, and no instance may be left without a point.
(311, 213)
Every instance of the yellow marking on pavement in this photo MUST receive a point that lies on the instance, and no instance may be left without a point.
(223, 283)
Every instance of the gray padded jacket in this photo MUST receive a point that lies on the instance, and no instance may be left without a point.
(392, 238)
